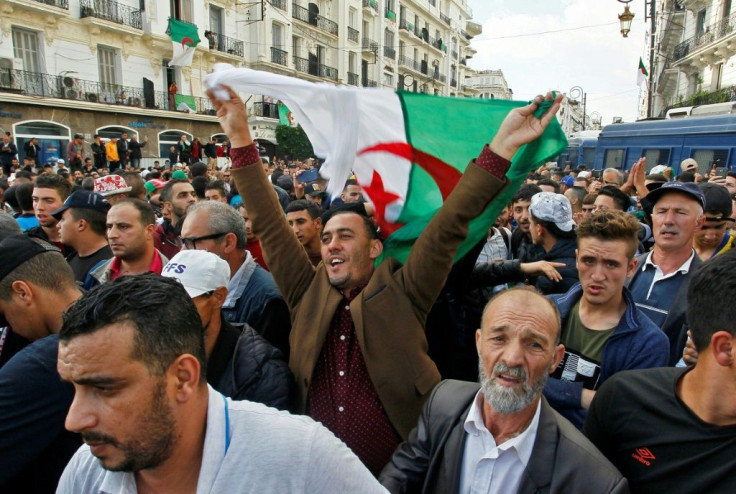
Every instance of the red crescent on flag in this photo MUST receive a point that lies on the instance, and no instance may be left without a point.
(444, 175)
(184, 40)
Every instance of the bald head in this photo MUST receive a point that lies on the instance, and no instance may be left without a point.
(523, 302)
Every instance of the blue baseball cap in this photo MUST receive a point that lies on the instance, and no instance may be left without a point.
(688, 188)
(83, 199)
(568, 180)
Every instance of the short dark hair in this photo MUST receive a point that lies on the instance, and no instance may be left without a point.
(370, 226)
(148, 217)
(24, 195)
(525, 193)
(710, 296)
(611, 224)
(312, 209)
(166, 192)
(686, 177)
(8, 226)
(579, 193)
(48, 269)
(164, 318)
(97, 220)
(200, 186)
(56, 182)
(621, 200)
(549, 182)
(218, 185)
(349, 182)
(198, 169)
(136, 183)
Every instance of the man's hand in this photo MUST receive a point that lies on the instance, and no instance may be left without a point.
(638, 176)
(521, 126)
(543, 268)
(690, 353)
(586, 398)
(233, 118)
(298, 186)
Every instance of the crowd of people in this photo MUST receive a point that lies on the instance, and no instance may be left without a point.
(193, 328)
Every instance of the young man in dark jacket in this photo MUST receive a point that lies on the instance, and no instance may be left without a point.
(602, 329)
(240, 364)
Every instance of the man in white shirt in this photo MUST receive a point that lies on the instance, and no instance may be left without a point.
(134, 350)
(503, 438)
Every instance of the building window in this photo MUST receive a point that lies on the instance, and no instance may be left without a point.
(277, 35)
(25, 47)
(388, 79)
(168, 139)
(700, 23)
(216, 20)
(53, 138)
(181, 10)
(108, 132)
(107, 65)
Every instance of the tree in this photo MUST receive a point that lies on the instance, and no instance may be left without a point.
(293, 142)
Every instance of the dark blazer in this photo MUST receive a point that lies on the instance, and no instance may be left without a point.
(391, 311)
(675, 325)
(431, 460)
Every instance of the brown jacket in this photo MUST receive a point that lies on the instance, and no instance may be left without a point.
(389, 314)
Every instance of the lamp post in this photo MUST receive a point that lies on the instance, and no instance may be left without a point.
(596, 119)
(406, 81)
(576, 92)
(625, 19)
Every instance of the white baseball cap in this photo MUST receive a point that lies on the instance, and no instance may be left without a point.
(555, 208)
(198, 270)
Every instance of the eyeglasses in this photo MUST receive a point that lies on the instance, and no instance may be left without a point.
(191, 242)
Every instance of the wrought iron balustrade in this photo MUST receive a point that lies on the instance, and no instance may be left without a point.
(62, 4)
(279, 56)
(280, 4)
(109, 10)
(353, 79)
(353, 35)
(224, 44)
(268, 110)
(389, 52)
(313, 18)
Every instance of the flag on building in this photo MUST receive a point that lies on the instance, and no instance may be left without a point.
(285, 115)
(407, 150)
(184, 38)
(642, 73)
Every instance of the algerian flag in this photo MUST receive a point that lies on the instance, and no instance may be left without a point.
(184, 38)
(642, 73)
(285, 115)
(407, 150)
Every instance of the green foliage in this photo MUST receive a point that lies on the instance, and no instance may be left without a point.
(293, 142)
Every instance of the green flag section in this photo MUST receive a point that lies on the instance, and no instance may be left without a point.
(185, 102)
(184, 39)
(642, 73)
(284, 115)
(457, 138)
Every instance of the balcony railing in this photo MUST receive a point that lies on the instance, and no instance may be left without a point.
(353, 79)
(267, 110)
(61, 4)
(370, 4)
(445, 18)
(279, 56)
(719, 30)
(369, 44)
(722, 95)
(353, 35)
(280, 4)
(465, 34)
(390, 14)
(389, 52)
(224, 44)
(111, 11)
(454, 54)
(369, 83)
(314, 68)
(314, 19)
(453, 82)
(69, 88)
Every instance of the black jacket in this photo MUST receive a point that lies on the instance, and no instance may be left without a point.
(244, 366)
(496, 273)
(431, 460)
(135, 149)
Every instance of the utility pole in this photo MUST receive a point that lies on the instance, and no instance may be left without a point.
(652, 35)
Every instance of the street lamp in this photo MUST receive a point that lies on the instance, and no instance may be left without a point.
(576, 92)
(625, 19)
(596, 119)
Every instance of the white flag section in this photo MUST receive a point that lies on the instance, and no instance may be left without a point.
(340, 122)
(183, 54)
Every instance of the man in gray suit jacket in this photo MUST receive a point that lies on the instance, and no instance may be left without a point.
(504, 437)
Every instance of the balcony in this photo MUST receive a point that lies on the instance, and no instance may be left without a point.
(369, 83)
(465, 34)
(353, 79)
(108, 10)
(390, 14)
(408, 62)
(445, 18)
(266, 110)
(389, 52)
(369, 45)
(280, 4)
(279, 56)
(224, 44)
(69, 88)
(454, 54)
(42, 6)
(371, 4)
(353, 35)
(724, 95)
(314, 68)
(453, 83)
(314, 19)
(720, 34)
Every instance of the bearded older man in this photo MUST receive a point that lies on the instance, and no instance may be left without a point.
(503, 437)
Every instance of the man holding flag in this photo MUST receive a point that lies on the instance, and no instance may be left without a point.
(359, 351)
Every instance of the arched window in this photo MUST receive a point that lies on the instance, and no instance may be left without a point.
(170, 138)
(110, 131)
(53, 138)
